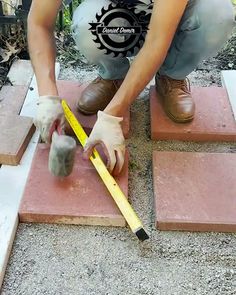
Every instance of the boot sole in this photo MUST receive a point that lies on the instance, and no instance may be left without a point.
(88, 113)
(176, 120)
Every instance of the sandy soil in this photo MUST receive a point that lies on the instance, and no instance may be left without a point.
(53, 259)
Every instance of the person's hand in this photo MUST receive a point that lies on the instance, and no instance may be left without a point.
(49, 117)
(107, 131)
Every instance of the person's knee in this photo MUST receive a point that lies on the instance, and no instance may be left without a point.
(217, 20)
(80, 29)
(227, 18)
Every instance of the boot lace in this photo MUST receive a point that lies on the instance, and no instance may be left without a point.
(97, 80)
(184, 85)
(116, 83)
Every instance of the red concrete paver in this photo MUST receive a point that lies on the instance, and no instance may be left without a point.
(12, 99)
(80, 198)
(70, 91)
(15, 134)
(195, 191)
(213, 121)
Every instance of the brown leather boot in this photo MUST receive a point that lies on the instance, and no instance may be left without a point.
(97, 95)
(176, 98)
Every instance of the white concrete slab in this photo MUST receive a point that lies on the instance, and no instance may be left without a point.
(12, 183)
(8, 226)
(21, 73)
(229, 82)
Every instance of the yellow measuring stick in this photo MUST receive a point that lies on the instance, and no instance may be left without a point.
(110, 183)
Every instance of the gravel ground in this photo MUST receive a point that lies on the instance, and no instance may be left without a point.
(57, 259)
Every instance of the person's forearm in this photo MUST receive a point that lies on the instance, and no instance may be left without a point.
(42, 53)
(142, 70)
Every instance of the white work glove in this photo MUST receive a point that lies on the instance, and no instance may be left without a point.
(107, 131)
(49, 117)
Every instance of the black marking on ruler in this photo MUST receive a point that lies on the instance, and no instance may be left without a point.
(93, 155)
(142, 235)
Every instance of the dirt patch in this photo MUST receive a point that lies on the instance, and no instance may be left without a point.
(226, 58)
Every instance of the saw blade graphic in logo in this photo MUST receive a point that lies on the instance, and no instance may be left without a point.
(123, 39)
